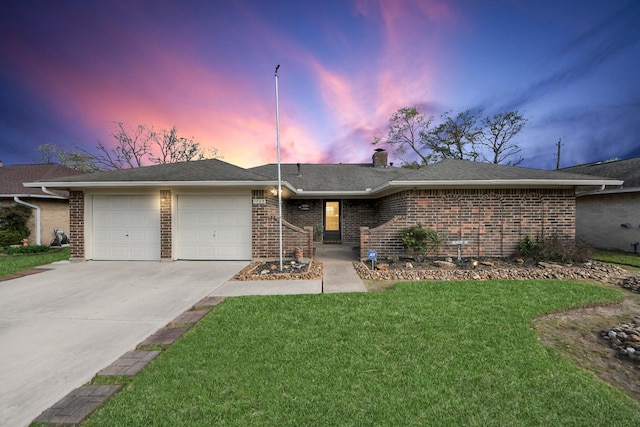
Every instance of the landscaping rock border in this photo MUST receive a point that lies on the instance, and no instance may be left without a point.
(588, 271)
(624, 339)
(269, 270)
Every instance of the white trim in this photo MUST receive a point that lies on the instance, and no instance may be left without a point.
(34, 196)
(390, 185)
(610, 191)
(121, 184)
(501, 183)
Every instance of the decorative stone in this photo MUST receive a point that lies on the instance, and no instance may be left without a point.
(444, 265)
(383, 266)
(549, 265)
(408, 265)
(487, 263)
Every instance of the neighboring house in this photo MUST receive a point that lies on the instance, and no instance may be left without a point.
(50, 209)
(212, 210)
(609, 218)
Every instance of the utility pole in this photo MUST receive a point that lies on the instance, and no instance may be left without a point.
(559, 144)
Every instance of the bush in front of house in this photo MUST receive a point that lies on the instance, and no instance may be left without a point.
(556, 248)
(421, 240)
(13, 224)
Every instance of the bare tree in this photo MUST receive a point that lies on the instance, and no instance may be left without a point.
(134, 148)
(407, 134)
(175, 149)
(498, 133)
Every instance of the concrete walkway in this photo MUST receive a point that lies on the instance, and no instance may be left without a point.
(339, 274)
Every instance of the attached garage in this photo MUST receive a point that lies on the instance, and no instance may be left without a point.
(213, 227)
(125, 227)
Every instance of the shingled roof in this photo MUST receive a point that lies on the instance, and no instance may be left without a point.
(210, 170)
(12, 178)
(314, 178)
(317, 180)
(626, 170)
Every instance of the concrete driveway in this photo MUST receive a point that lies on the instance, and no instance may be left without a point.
(60, 327)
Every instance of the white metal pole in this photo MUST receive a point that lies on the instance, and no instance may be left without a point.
(279, 173)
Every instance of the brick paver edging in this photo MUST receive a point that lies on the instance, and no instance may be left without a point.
(78, 405)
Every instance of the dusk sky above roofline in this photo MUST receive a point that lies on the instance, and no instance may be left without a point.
(70, 70)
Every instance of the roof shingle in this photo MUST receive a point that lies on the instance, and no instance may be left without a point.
(12, 177)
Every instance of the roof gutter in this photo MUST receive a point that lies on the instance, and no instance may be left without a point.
(37, 208)
(499, 183)
(110, 184)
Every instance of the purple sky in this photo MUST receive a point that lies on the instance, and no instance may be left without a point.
(70, 70)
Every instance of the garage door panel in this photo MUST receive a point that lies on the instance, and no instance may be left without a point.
(214, 227)
(126, 227)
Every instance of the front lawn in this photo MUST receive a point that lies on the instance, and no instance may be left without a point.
(10, 264)
(425, 353)
(617, 257)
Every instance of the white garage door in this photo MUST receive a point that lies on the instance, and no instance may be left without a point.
(126, 228)
(215, 227)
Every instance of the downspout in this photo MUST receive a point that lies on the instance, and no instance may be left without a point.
(49, 192)
(37, 208)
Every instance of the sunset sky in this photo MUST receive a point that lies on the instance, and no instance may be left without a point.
(70, 70)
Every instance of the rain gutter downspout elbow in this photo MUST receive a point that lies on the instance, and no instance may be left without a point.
(49, 192)
(37, 208)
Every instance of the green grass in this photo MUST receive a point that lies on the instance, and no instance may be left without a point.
(10, 264)
(617, 257)
(428, 353)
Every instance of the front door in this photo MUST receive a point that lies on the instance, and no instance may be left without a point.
(332, 221)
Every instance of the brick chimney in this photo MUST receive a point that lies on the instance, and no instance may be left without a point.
(380, 158)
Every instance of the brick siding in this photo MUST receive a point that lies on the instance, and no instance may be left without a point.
(165, 225)
(266, 231)
(76, 224)
(490, 222)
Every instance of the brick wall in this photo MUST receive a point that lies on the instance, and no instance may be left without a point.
(391, 206)
(293, 212)
(76, 224)
(384, 239)
(599, 218)
(165, 224)
(266, 231)
(489, 222)
(355, 214)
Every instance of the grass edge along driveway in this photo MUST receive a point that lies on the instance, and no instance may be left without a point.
(422, 353)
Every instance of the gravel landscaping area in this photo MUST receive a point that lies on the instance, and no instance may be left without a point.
(270, 270)
(488, 270)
